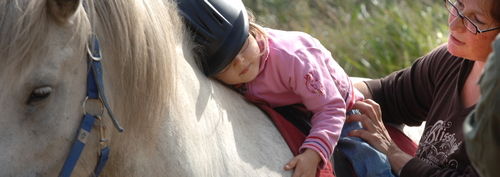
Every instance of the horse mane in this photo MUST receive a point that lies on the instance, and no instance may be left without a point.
(146, 39)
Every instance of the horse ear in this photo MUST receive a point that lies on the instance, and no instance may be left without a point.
(61, 10)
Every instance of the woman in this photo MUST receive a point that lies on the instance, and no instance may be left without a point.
(439, 88)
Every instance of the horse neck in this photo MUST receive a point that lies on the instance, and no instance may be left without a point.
(139, 42)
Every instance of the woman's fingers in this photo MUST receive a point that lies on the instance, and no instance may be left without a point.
(367, 122)
(375, 108)
(370, 108)
(371, 119)
(363, 134)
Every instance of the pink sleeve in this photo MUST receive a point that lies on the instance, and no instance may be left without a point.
(321, 83)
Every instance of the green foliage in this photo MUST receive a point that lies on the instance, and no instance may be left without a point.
(369, 38)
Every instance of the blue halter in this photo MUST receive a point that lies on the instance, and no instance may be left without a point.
(95, 90)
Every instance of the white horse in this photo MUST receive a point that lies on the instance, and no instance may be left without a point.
(176, 121)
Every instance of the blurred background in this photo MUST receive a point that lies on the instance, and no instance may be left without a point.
(368, 38)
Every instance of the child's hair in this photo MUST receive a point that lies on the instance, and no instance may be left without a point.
(257, 31)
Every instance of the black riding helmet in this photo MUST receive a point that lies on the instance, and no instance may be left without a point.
(221, 28)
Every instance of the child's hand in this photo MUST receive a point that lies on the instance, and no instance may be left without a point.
(305, 164)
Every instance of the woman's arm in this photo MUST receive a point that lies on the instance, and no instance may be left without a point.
(363, 88)
(406, 96)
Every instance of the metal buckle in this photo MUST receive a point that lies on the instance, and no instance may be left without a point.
(100, 102)
(103, 142)
(94, 49)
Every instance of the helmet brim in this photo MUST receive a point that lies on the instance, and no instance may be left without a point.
(229, 48)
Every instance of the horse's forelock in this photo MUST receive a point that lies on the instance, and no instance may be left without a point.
(26, 30)
(18, 23)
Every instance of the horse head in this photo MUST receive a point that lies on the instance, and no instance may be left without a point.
(42, 80)
(44, 76)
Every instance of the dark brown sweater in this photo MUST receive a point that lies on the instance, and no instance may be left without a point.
(429, 91)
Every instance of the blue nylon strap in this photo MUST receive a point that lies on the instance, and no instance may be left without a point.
(77, 148)
(84, 130)
(95, 90)
(92, 90)
(97, 70)
(103, 158)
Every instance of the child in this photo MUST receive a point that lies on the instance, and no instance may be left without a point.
(283, 68)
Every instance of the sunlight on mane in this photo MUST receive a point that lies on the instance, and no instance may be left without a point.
(142, 39)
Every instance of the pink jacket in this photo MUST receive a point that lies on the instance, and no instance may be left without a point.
(296, 68)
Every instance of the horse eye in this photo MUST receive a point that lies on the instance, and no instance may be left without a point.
(40, 94)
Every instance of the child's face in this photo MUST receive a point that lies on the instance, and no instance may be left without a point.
(245, 66)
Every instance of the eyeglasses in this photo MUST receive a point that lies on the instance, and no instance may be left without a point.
(471, 26)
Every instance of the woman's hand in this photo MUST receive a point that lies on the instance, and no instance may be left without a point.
(376, 134)
(305, 164)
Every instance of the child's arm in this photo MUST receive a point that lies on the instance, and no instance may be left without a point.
(305, 164)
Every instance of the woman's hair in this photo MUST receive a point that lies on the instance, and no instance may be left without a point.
(493, 7)
(495, 10)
